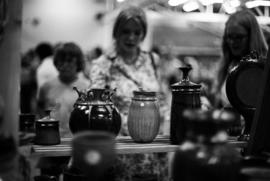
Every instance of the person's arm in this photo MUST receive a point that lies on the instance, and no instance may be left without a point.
(221, 75)
(219, 81)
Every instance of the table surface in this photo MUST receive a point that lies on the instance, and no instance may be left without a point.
(124, 145)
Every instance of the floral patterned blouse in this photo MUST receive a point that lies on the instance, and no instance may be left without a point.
(111, 70)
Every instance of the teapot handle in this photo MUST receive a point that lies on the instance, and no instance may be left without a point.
(78, 92)
(81, 94)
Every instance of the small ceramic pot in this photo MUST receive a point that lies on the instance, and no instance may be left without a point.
(47, 131)
(93, 153)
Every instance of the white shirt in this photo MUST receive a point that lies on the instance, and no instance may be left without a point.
(46, 71)
(61, 97)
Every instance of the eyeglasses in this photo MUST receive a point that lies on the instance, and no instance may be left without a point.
(236, 37)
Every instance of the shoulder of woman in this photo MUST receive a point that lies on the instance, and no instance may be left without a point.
(150, 55)
(100, 63)
(154, 58)
(101, 59)
(82, 83)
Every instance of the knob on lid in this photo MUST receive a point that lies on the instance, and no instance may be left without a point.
(185, 84)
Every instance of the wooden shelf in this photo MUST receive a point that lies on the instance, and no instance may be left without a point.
(124, 145)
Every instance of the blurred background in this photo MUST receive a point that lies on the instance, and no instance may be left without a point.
(188, 30)
(188, 26)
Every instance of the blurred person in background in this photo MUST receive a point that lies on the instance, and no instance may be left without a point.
(28, 82)
(58, 93)
(46, 70)
(242, 35)
(128, 68)
(169, 64)
(90, 56)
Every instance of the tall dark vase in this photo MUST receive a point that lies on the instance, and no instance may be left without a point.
(94, 110)
(185, 94)
(204, 155)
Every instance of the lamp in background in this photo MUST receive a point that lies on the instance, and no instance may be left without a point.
(190, 6)
(253, 4)
(176, 2)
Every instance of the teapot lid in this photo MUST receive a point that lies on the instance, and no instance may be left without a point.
(47, 117)
(142, 95)
(85, 97)
(185, 84)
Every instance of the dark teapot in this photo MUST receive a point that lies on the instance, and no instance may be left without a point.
(94, 110)
(185, 94)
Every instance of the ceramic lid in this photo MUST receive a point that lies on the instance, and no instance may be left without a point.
(47, 118)
(145, 93)
(185, 84)
(142, 95)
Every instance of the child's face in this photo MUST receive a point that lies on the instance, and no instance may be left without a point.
(68, 67)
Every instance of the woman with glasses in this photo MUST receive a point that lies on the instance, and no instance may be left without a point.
(242, 34)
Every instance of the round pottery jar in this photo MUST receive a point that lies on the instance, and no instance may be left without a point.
(95, 111)
(143, 117)
(47, 131)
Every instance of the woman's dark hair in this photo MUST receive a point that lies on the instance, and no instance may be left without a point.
(69, 50)
(44, 50)
(131, 13)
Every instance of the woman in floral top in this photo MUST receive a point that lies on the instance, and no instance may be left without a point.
(127, 68)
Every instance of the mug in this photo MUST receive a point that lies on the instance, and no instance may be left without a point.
(93, 153)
